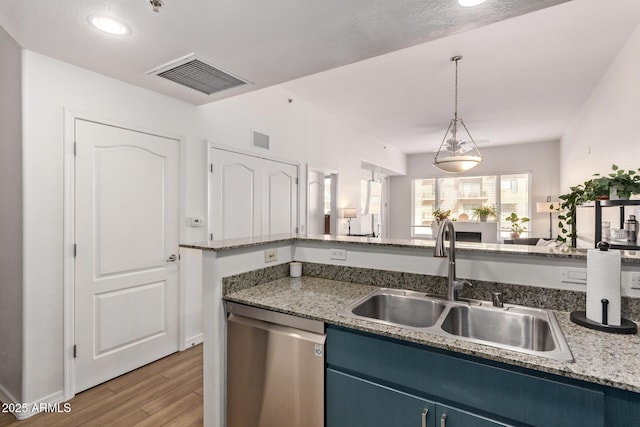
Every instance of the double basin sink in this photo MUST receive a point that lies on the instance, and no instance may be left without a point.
(522, 329)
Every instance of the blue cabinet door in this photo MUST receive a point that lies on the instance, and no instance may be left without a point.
(355, 402)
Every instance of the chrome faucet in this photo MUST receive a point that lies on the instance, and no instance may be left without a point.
(453, 284)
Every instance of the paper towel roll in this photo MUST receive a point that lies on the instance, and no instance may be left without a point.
(603, 281)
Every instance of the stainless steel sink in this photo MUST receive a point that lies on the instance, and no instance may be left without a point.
(523, 329)
(528, 331)
(401, 307)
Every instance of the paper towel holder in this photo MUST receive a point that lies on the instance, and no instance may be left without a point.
(626, 326)
(580, 317)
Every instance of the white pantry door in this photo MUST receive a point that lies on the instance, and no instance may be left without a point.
(251, 196)
(235, 205)
(126, 278)
(280, 198)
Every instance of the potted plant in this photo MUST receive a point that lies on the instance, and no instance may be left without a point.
(623, 184)
(517, 226)
(440, 214)
(483, 212)
(619, 184)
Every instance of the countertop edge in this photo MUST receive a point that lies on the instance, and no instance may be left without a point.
(463, 247)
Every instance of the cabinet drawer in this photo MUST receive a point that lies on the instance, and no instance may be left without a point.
(444, 377)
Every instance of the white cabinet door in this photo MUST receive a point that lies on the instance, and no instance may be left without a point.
(126, 280)
(251, 196)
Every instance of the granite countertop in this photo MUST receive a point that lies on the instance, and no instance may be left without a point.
(461, 247)
(600, 358)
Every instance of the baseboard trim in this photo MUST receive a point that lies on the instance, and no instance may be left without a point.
(7, 397)
(27, 410)
(194, 340)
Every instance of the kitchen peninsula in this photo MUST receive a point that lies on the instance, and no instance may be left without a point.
(534, 276)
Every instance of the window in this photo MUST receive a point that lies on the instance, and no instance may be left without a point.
(508, 193)
(424, 203)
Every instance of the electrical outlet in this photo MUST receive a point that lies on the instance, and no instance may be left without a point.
(339, 254)
(573, 275)
(270, 255)
(635, 280)
(3, 358)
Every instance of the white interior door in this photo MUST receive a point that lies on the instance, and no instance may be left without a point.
(126, 280)
(250, 196)
(315, 191)
(279, 195)
(236, 196)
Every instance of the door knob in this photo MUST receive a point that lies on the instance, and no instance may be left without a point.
(172, 258)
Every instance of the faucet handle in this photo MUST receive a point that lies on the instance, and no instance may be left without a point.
(497, 299)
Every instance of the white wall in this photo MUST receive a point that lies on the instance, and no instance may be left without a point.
(10, 219)
(606, 129)
(301, 132)
(49, 86)
(541, 159)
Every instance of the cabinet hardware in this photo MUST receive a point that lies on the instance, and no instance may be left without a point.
(443, 420)
(424, 417)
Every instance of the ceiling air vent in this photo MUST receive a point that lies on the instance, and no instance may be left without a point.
(196, 74)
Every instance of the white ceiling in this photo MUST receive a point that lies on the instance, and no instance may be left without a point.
(524, 75)
(520, 80)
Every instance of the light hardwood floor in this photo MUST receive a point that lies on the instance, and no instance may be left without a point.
(164, 393)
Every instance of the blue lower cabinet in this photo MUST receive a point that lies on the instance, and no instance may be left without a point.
(355, 402)
(377, 381)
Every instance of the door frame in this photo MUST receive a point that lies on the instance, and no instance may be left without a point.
(209, 159)
(69, 196)
(333, 222)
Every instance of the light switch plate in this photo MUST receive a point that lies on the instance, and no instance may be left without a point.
(635, 280)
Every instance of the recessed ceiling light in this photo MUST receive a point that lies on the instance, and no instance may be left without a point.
(470, 3)
(109, 25)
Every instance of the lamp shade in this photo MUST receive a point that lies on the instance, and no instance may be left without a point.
(349, 213)
(456, 164)
(547, 207)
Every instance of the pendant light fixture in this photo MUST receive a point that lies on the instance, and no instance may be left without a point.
(455, 153)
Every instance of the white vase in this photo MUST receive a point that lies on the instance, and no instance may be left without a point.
(613, 194)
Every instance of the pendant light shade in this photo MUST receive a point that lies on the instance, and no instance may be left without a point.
(458, 151)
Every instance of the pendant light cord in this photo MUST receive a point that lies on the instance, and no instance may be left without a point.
(455, 112)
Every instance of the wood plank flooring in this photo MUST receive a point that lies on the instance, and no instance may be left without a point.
(164, 393)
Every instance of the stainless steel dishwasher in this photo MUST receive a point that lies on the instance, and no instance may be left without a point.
(275, 369)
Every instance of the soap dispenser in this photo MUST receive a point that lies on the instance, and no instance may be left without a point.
(631, 229)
